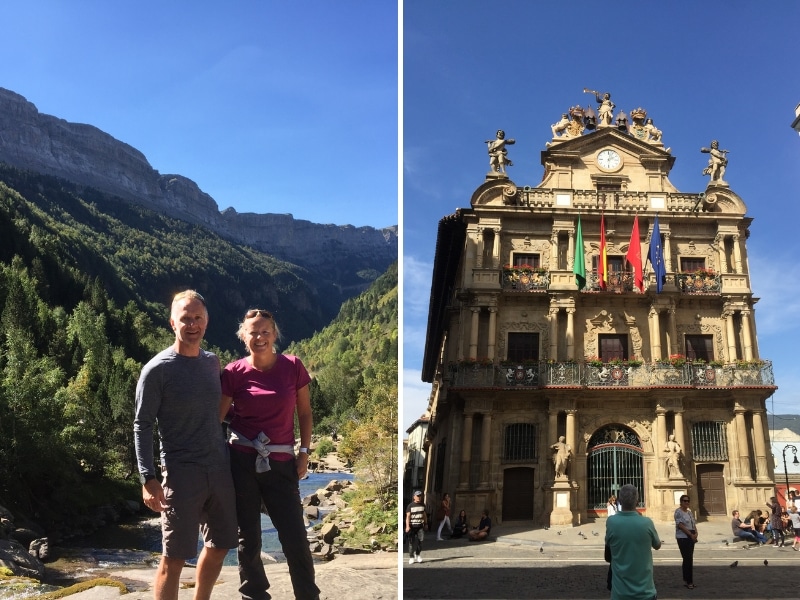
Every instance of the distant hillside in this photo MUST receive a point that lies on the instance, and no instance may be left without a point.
(341, 260)
(349, 356)
(138, 255)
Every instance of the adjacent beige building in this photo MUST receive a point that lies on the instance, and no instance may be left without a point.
(547, 398)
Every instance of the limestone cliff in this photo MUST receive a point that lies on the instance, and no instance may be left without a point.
(86, 155)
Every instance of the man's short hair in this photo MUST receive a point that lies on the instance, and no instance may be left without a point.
(628, 497)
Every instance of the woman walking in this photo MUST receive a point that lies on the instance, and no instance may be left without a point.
(686, 536)
(444, 516)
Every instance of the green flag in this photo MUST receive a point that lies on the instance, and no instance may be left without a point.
(580, 260)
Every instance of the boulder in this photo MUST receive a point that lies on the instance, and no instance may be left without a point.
(14, 556)
(329, 532)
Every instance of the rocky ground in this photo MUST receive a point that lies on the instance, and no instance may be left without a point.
(355, 572)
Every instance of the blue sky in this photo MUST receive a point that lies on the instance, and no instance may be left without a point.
(276, 107)
(724, 70)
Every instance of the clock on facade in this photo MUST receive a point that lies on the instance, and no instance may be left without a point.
(609, 160)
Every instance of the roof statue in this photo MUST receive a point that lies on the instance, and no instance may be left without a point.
(498, 155)
(605, 109)
(717, 162)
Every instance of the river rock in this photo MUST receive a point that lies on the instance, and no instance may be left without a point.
(14, 556)
(329, 532)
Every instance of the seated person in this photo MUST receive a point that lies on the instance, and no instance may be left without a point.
(483, 529)
(461, 526)
(745, 530)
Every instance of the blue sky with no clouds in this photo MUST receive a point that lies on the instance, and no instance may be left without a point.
(276, 107)
(724, 70)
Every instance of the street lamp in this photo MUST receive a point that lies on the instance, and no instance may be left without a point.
(785, 471)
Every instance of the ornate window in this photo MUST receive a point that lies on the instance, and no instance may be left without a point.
(700, 347)
(692, 264)
(529, 260)
(613, 346)
(709, 442)
(522, 346)
(520, 442)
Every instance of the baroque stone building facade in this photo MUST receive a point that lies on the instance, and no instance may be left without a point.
(551, 390)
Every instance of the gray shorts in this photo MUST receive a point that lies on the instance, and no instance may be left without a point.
(198, 499)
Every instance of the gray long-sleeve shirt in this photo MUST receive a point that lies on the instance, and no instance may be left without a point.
(181, 394)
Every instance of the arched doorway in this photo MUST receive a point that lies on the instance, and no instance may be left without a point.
(615, 458)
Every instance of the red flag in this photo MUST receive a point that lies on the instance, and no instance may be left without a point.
(602, 264)
(634, 255)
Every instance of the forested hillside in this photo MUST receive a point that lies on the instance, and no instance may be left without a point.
(358, 345)
(84, 284)
(354, 391)
(142, 256)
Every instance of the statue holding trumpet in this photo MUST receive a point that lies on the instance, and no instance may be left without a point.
(605, 110)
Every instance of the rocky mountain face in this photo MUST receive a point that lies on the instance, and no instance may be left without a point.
(343, 255)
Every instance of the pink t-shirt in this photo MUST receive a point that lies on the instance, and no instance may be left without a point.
(264, 400)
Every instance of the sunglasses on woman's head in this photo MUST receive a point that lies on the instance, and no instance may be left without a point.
(257, 312)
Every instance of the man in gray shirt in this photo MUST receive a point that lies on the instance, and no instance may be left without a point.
(179, 390)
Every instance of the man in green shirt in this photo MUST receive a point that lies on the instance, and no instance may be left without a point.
(630, 537)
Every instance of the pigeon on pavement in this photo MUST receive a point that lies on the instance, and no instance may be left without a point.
(734, 563)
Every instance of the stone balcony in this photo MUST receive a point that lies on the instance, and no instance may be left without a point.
(513, 279)
(507, 375)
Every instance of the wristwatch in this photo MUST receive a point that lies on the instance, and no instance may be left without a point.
(145, 478)
(303, 451)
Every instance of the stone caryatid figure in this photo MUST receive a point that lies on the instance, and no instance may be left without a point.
(561, 457)
(674, 454)
(605, 109)
(498, 155)
(717, 162)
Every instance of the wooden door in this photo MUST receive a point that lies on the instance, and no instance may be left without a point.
(711, 490)
(518, 494)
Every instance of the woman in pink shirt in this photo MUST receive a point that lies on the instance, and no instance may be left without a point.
(260, 395)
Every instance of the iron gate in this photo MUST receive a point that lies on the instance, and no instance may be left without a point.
(615, 458)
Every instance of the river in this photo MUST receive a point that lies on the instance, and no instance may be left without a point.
(133, 544)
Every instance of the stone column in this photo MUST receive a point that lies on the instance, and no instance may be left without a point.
(719, 242)
(762, 472)
(473, 332)
(672, 342)
(680, 433)
(661, 439)
(490, 349)
(727, 314)
(466, 452)
(667, 253)
(553, 316)
(655, 334)
(554, 250)
(552, 428)
(737, 253)
(496, 250)
(486, 449)
(479, 249)
(571, 440)
(742, 444)
(747, 335)
(571, 333)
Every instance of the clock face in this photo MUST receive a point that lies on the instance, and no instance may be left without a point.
(608, 160)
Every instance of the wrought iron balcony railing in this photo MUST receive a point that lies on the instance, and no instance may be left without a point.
(525, 280)
(616, 374)
(699, 283)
